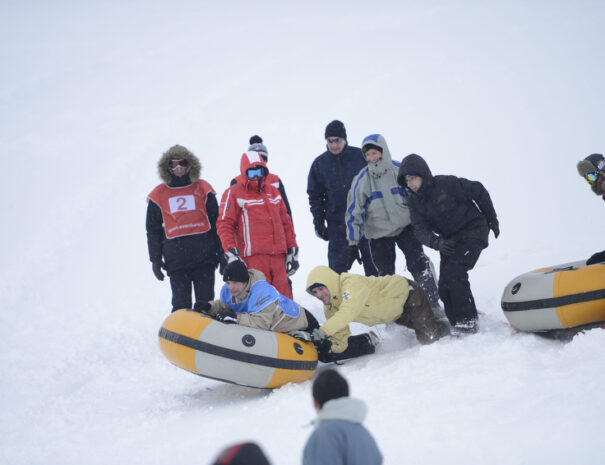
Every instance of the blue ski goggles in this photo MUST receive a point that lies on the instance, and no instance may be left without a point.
(256, 172)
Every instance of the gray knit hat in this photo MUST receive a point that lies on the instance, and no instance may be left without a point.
(256, 145)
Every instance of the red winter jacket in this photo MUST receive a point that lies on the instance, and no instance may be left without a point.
(252, 215)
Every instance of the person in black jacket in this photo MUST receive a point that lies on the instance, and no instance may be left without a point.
(592, 168)
(328, 185)
(454, 216)
(181, 228)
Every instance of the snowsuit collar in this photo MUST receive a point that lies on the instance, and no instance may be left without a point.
(327, 277)
(343, 408)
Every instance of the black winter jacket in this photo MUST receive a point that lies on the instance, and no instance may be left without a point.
(186, 251)
(329, 182)
(452, 207)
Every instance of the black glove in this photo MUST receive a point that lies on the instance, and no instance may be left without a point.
(226, 316)
(599, 257)
(322, 344)
(446, 246)
(292, 261)
(230, 256)
(157, 266)
(353, 254)
(201, 306)
(494, 225)
(321, 230)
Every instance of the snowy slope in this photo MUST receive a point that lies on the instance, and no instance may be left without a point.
(91, 93)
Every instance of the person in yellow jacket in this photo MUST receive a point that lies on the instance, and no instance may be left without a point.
(369, 300)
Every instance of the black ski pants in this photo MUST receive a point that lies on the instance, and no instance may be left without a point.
(181, 281)
(338, 250)
(454, 286)
(419, 265)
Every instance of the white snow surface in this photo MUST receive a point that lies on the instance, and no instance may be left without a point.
(91, 94)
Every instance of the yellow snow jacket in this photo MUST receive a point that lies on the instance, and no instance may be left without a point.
(369, 300)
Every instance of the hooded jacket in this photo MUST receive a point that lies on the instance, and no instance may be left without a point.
(376, 205)
(340, 437)
(193, 249)
(253, 216)
(261, 306)
(329, 182)
(449, 206)
(369, 300)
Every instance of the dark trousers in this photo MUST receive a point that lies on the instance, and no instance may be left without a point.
(419, 265)
(358, 345)
(181, 281)
(338, 250)
(454, 286)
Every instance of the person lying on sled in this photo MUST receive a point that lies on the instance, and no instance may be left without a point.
(247, 299)
(369, 300)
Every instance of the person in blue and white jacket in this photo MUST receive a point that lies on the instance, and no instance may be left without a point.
(377, 209)
(248, 299)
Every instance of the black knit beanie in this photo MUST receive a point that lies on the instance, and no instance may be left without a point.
(336, 129)
(245, 453)
(371, 146)
(236, 271)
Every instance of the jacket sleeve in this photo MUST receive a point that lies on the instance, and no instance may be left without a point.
(478, 193)
(155, 231)
(422, 230)
(317, 192)
(282, 191)
(228, 217)
(355, 213)
(355, 295)
(287, 225)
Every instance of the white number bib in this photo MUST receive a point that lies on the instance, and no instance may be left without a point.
(182, 203)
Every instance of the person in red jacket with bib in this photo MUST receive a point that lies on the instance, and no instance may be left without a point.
(253, 225)
(181, 228)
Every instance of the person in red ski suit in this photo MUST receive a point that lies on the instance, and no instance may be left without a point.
(253, 225)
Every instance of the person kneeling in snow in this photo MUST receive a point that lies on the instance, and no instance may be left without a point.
(247, 299)
(369, 300)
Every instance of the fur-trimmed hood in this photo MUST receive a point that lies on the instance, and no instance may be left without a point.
(178, 152)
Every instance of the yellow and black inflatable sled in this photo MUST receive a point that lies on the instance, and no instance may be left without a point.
(234, 353)
(566, 296)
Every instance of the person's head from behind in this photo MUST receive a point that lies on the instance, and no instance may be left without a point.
(328, 385)
(336, 137)
(243, 453)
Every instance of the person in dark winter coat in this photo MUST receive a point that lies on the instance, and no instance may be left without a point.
(377, 209)
(328, 184)
(592, 168)
(181, 228)
(454, 216)
(339, 436)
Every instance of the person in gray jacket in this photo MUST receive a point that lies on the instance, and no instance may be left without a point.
(377, 209)
(339, 436)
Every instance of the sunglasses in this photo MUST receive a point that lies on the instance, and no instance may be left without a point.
(175, 163)
(334, 140)
(256, 172)
(591, 177)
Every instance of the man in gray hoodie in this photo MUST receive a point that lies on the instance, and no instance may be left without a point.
(339, 437)
(377, 209)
